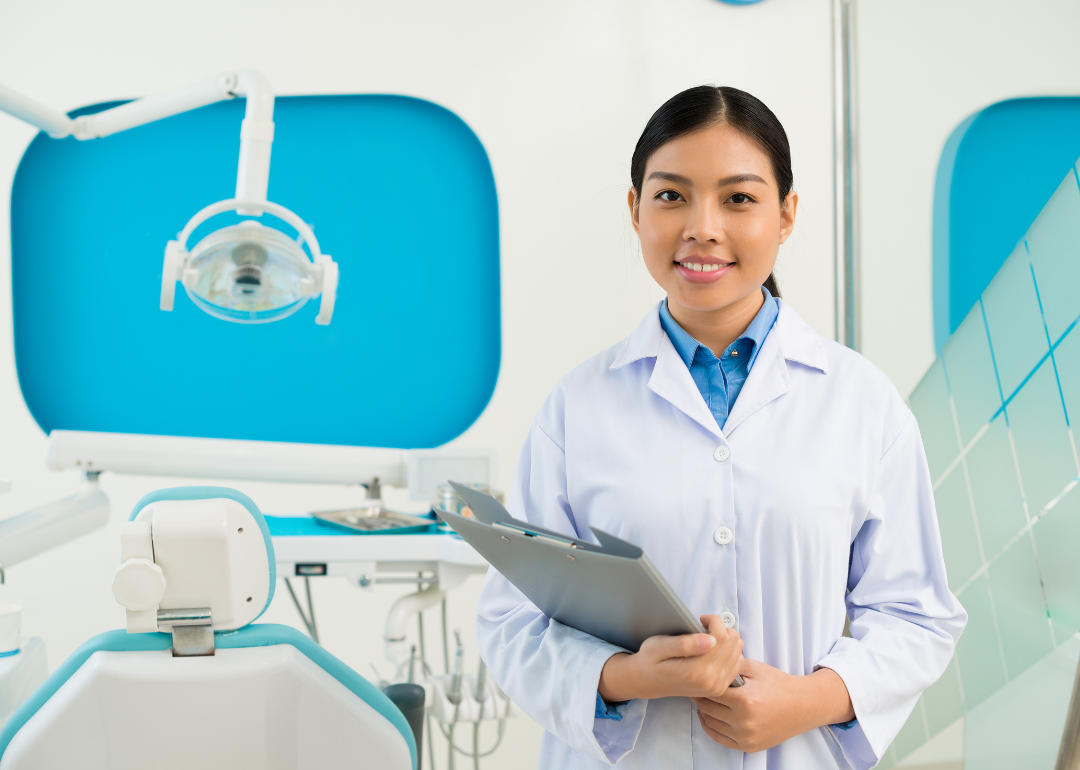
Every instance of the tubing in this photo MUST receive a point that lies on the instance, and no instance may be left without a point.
(151, 108)
(56, 124)
(397, 652)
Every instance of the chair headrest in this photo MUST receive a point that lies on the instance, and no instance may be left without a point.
(196, 547)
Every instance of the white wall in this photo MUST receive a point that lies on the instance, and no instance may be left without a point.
(923, 67)
(558, 93)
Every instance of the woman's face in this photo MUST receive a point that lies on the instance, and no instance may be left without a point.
(710, 218)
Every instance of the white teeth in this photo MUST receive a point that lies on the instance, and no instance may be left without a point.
(697, 267)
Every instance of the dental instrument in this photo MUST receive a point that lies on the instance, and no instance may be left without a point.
(455, 680)
(246, 272)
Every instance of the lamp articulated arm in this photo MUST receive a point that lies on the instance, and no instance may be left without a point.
(256, 130)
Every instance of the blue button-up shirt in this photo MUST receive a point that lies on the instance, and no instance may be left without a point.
(719, 380)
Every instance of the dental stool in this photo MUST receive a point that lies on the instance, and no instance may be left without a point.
(191, 683)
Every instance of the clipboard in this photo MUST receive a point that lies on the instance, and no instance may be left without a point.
(611, 591)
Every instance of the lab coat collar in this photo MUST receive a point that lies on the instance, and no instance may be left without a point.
(644, 342)
(790, 340)
(797, 341)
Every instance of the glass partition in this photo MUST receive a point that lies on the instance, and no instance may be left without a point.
(994, 411)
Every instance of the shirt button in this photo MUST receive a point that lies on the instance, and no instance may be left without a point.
(728, 619)
(722, 453)
(723, 535)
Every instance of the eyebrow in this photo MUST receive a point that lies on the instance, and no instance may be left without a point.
(728, 180)
(739, 178)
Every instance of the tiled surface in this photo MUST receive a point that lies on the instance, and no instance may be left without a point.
(943, 702)
(1019, 607)
(1005, 478)
(931, 398)
(1067, 362)
(970, 375)
(913, 734)
(1057, 541)
(1052, 241)
(979, 653)
(1041, 435)
(959, 540)
(1014, 321)
(995, 488)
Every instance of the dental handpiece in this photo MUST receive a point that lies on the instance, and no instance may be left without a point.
(455, 679)
(481, 676)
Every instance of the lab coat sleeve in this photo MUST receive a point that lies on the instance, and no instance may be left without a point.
(551, 671)
(904, 620)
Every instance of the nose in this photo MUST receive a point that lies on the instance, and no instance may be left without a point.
(705, 223)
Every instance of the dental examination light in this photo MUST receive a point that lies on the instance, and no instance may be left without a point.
(246, 272)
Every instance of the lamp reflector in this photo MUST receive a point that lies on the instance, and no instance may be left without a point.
(249, 273)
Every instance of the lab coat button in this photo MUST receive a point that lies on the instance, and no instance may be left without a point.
(728, 619)
(723, 535)
(722, 453)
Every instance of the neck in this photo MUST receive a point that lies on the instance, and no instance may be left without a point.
(716, 329)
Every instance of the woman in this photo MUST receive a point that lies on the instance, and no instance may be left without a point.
(774, 477)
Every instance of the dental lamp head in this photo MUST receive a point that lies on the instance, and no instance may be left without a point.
(246, 272)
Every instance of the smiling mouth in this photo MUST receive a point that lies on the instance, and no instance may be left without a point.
(699, 267)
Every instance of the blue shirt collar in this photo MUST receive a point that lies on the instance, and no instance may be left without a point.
(686, 346)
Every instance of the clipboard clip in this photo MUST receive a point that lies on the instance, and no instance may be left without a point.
(543, 538)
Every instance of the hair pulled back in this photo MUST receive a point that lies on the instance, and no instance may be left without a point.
(704, 106)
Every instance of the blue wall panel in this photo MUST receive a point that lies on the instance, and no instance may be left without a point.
(399, 191)
(996, 172)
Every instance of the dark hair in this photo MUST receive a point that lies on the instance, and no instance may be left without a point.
(704, 106)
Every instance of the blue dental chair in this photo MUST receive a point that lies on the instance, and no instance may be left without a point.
(192, 682)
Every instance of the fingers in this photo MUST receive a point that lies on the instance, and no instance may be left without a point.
(709, 726)
(723, 635)
(683, 646)
(713, 708)
(715, 627)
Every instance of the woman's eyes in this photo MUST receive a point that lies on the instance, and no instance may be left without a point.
(671, 196)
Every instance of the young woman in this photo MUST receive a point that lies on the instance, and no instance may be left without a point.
(774, 477)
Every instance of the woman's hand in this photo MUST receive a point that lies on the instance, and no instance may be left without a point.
(690, 665)
(773, 706)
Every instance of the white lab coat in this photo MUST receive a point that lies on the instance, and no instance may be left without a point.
(826, 464)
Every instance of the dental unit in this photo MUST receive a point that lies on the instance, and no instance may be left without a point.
(198, 565)
(246, 272)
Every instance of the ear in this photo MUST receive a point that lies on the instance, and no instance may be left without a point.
(632, 201)
(787, 215)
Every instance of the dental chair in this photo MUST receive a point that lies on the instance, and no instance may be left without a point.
(191, 682)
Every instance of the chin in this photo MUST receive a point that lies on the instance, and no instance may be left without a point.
(703, 299)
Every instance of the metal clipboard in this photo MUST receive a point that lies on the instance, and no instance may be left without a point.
(611, 591)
